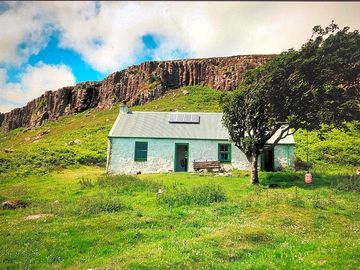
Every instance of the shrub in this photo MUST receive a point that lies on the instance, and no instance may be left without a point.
(350, 183)
(200, 195)
(127, 183)
(85, 183)
(95, 205)
(297, 201)
(318, 202)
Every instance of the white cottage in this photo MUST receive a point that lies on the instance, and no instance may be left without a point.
(152, 142)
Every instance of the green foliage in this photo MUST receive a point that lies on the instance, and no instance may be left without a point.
(334, 150)
(350, 183)
(279, 177)
(190, 98)
(201, 195)
(38, 153)
(154, 78)
(255, 227)
(96, 205)
(127, 183)
(40, 104)
(86, 183)
(297, 200)
(309, 88)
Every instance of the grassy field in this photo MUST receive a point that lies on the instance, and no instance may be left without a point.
(199, 221)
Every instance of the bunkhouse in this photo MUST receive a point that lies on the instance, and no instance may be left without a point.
(153, 142)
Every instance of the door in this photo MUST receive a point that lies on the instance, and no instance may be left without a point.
(181, 157)
(267, 160)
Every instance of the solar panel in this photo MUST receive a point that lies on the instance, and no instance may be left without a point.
(172, 118)
(184, 118)
(195, 118)
(187, 118)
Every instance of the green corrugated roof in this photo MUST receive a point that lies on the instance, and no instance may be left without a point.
(156, 125)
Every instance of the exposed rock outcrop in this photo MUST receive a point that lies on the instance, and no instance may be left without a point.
(137, 84)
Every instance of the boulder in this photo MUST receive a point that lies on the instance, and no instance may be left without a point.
(77, 141)
(13, 204)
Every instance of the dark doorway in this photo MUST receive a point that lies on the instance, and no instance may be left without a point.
(267, 160)
(181, 157)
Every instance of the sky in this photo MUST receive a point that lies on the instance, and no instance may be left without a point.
(49, 45)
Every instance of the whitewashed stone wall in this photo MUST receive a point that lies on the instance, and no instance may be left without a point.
(161, 155)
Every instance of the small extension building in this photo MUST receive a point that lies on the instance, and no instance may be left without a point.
(152, 142)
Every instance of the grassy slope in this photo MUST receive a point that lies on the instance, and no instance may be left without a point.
(294, 227)
(339, 151)
(91, 128)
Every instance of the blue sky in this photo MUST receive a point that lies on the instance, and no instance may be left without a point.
(48, 45)
(53, 54)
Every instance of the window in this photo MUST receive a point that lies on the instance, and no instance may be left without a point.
(141, 151)
(224, 152)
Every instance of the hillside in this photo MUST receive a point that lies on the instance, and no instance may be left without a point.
(137, 84)
(78, 218)
(81, 139)
(54, 144)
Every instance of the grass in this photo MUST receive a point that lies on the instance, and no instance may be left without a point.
(172, 221)
(338, 151)
(187, 99)
(50, 146)
(215, 223)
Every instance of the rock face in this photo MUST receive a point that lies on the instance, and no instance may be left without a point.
(137, 84)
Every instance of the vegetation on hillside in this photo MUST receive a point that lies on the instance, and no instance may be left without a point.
(336, 151)
(186, 99)
(311, 88)
(81, 139)
(80, 219)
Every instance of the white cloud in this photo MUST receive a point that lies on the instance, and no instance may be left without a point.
(33, 82)
(108, 34)
(24, 25)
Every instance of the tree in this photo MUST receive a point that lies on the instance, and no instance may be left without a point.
(311, 88)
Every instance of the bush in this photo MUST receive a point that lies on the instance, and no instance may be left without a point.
(200, 195)
(95, 205)
(350, 183)
(127, 183)
(297, 201)
(85, 183)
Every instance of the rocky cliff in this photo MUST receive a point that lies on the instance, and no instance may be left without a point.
(137, 84)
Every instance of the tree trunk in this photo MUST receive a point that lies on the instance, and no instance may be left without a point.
(254, 177)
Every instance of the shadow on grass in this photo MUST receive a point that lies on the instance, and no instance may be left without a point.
(340, 181)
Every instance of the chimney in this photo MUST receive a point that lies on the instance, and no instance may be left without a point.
(124, 108)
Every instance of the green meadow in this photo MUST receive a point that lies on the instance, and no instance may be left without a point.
(77, 217)
(198, 221)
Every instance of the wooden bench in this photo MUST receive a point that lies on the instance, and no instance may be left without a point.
(207, 165)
